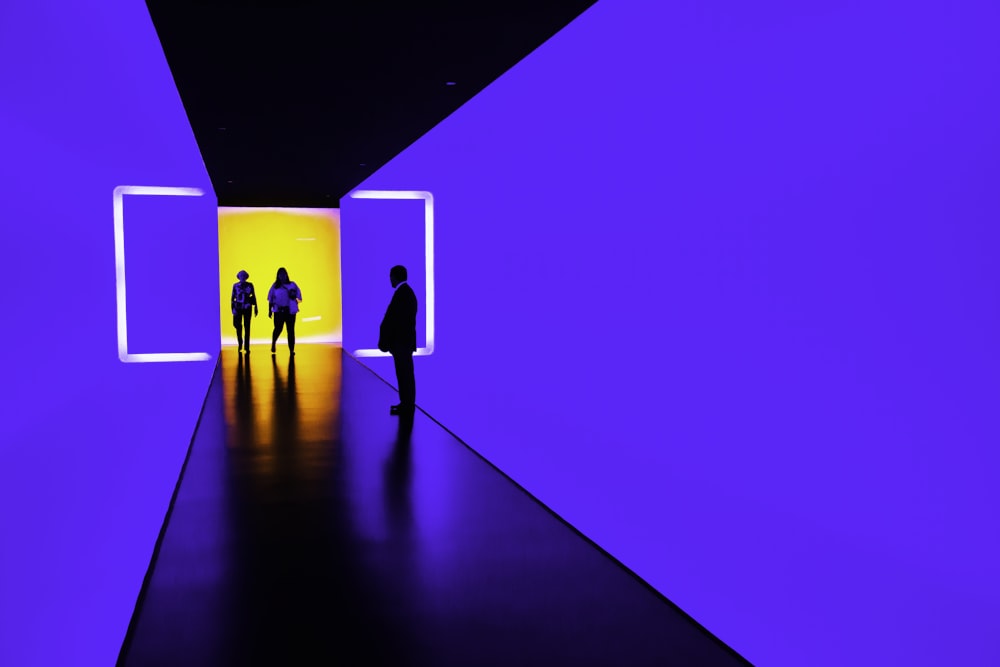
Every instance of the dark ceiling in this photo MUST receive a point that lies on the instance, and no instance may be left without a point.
(295, 102)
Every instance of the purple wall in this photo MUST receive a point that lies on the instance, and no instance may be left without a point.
(90, 447)
(718, 283)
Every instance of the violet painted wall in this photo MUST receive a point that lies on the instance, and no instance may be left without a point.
(90, 447)
(718, 283)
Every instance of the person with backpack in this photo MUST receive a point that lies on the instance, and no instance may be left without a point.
(283, 298)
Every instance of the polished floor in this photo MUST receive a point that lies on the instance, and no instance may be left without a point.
(311, 527)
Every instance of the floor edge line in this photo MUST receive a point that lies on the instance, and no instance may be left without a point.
(147, 578)
(566, 523)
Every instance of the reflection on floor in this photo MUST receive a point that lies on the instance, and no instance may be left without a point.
(311, 527)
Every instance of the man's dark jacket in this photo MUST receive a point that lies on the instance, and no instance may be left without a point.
(398, 332)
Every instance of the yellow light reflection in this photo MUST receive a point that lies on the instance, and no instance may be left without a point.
(282, 412)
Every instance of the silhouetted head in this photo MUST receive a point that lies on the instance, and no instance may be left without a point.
(397, 274)
(242, 276)
(282, 277)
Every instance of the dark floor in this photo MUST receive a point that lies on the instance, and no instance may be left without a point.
(313, 528)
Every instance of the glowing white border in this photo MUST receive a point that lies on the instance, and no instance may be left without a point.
(123, 354)
(428, 261)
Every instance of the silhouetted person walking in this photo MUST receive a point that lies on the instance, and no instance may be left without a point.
(284, 298)
(243, 302)
(398, 336)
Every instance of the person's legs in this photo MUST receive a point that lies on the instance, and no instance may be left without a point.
(290, 321)
(279, 321)
(404, 379)
(237, 324)
(247, 316)
(411, 382)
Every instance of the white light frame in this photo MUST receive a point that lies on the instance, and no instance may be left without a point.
(123, 352)
(428, 262)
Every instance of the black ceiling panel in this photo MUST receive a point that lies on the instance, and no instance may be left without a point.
(294, 103)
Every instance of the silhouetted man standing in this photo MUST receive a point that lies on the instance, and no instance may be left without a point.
(398, 336)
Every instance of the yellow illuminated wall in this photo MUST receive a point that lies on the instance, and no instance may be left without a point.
(306, 241)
